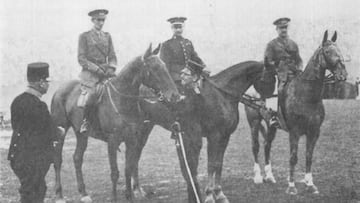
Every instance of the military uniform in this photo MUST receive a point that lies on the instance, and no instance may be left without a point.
(95, 51)
(32, 143)
(284, 54)
(177, 51)
(97, 58)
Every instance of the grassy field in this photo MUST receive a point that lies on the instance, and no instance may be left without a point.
(335, 166)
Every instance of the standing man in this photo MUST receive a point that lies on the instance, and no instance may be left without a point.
(34, 136)
(178, 51)
(282, 55)
(97, 58)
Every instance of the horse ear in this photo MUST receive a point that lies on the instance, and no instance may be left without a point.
(325, 37)
(334, 37)
(157, 50)
(148, 52)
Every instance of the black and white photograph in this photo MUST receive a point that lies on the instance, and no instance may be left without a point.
(179, 101)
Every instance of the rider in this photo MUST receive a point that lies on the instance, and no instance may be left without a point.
(282, 54)
(177, 51)
(97, 57)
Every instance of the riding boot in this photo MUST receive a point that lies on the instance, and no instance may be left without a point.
(83, 102)
(280, 122)
(274, 121)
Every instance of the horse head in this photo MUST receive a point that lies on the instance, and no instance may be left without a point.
(332, 57)
(157, 76)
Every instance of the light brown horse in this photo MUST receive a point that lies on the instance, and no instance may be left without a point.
(118, 114)
(303, 112)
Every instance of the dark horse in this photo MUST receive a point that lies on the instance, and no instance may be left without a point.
(216, 119)
(118, 114)
(303, 112)
(340, 90)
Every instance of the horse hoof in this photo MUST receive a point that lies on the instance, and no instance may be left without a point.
(209, 199)
(291, 191)
(270, 179)
(139, 193)
(60, 201)
(258, 179)
(312, 189)
(86, 199)
(220, 197)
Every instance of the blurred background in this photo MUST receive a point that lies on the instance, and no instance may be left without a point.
(223, 32)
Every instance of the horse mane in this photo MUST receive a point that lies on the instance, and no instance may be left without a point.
(134, 62)
(247, 68)
(312, 68)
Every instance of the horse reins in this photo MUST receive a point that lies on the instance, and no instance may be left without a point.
(110, 86)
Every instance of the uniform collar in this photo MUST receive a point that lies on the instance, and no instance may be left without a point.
(33, 91)
(284, 40)
(177, 37)
(97, 32)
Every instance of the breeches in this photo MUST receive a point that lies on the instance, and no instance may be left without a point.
(90, 86)
(31, 174)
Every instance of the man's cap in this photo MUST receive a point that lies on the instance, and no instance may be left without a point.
(98, 13)
(177, 20)
(37, 71)
(282, 22)
(195, 67)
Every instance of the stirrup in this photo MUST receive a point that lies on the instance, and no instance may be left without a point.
(274, 122)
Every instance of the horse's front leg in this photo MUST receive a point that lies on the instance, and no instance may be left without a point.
(222, 145)
(142, 138)
(57, 167)
(268, 139)
(81, 145)
(255, 126)
(190, 152)
(311, 138)
(113, 144)
(294, 142)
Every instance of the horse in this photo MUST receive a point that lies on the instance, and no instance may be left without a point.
(340, 90)
(303, 112)
(212, 114)
(118, 114)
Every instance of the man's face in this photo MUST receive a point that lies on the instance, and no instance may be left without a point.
(44, 86)
(282, 31)
(177, 29)
(98, 23)
(186, 77)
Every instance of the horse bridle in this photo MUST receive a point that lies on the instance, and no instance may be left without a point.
(110, 86)
(329, 78)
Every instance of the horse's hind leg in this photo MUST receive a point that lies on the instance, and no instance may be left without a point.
(217, 144)
(294, 142)
(268, 139)
(81, 144)
(311, 139)
(57, 167)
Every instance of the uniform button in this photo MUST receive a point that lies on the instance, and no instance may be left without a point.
(12, 156)
(14, 145)
(18, 134)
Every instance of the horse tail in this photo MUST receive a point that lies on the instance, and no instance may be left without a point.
(58, 104)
